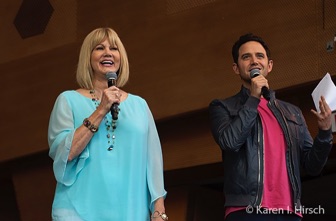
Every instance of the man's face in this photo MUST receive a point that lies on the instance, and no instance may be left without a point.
(252, 55)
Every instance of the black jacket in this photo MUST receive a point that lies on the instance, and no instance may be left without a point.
(237, 129)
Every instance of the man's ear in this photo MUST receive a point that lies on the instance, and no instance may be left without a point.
(270, 65)
(235, 68)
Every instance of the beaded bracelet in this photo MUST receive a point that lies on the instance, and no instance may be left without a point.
(93, 128)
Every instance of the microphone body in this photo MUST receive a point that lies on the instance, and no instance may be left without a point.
(111, 81)
(264, 90)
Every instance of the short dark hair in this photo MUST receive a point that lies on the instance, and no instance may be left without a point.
(246, 38)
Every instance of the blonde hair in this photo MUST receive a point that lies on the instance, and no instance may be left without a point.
(84, 73)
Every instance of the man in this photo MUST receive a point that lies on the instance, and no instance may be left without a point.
(265, 141)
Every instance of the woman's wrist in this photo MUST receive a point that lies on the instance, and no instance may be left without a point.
(158, 214)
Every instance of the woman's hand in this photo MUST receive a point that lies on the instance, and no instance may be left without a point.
(110, 96)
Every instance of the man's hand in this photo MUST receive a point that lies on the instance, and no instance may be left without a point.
(324, 117)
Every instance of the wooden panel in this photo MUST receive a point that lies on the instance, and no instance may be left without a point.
(187, 141)
(29, 92)
(326, 33)
(60, 30)
(8, 204)
(34, 185)
(179, 55)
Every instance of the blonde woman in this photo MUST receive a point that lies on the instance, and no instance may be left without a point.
(105, 168)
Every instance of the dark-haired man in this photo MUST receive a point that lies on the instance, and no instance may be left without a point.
(265, 141)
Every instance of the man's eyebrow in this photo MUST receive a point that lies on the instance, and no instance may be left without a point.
(246, 54)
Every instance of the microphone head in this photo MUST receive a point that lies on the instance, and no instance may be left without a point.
(254, 73)
(111, 75)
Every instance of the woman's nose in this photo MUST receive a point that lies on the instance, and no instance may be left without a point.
(108, 53)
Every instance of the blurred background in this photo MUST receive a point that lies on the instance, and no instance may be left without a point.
(180, 60)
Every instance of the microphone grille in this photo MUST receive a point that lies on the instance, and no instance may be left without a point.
(254, 73)
(111, 75)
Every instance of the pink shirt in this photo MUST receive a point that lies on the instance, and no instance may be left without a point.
(277, 189)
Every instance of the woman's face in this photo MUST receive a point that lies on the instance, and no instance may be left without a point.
(105, 58)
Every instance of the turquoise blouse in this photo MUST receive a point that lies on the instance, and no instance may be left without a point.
(102, 185)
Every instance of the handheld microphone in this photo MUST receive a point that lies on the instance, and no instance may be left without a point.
(264, 90)
(111, 81)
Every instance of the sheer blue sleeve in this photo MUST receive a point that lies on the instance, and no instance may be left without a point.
(60, 135)
(154, 163)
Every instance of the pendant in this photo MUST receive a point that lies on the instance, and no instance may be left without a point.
(110, 148)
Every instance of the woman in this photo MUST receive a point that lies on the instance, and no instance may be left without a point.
(105, 169)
